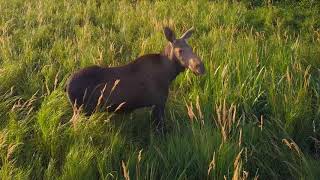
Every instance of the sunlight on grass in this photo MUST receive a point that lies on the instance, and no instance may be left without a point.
(255, 114)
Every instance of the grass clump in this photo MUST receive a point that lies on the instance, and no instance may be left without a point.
(254, 114)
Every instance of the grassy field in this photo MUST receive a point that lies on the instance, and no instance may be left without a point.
(255, 114)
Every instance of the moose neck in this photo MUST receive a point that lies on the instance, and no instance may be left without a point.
(175, 67)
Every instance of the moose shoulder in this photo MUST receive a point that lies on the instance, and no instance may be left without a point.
(142, 83)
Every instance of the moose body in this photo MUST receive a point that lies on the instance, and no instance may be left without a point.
(142, 83)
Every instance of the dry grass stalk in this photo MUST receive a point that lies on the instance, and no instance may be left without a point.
(84, 95)
(47, 88)
(11, 150)
(237, 168)
(200, 114)
(138, 164)
(25, 106)
(190, 112)
(240, 138)
(192, 115)
(245, 175)
(140, 155)
(261, 122)
(286, 142)
(296, 148)
(237, 160)
(307, 77)
(119, 107)
(101, 97)
(226, 119)
(10, 92)
(112, 89)
(100, 58)
(199, 108)
(16, 105)
(19, 104)
(3, 139)
(289, 77)
(102, 101)
(76, 114)
(115, 85)
(56, 80)
(212, 164)
(292, 146)
(125, 171)
(224, 71)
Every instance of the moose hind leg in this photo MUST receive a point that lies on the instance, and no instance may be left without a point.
(158, 117)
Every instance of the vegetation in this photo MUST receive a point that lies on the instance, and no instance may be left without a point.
(255, 114)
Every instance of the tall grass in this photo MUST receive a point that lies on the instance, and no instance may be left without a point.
(253, 115)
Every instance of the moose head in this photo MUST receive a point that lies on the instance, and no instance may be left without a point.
(180, 51)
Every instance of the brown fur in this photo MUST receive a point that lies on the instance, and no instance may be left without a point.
(142, 83)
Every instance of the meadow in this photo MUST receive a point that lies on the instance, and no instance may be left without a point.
(255, 114)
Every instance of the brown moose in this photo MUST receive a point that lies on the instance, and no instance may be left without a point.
(141, 83)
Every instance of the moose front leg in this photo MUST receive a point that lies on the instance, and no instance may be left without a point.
(158, 117)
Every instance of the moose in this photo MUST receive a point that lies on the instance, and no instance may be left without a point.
(142, 83)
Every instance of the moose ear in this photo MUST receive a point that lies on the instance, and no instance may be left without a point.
(169, 34)
(187, 34)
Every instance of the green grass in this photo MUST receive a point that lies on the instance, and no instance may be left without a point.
(254, 114)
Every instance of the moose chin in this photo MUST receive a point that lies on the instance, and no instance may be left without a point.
(142, 83)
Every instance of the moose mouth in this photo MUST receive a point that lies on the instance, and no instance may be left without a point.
(199, 70)
(200, 73)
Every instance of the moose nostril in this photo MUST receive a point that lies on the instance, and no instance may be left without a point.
(200, 68)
